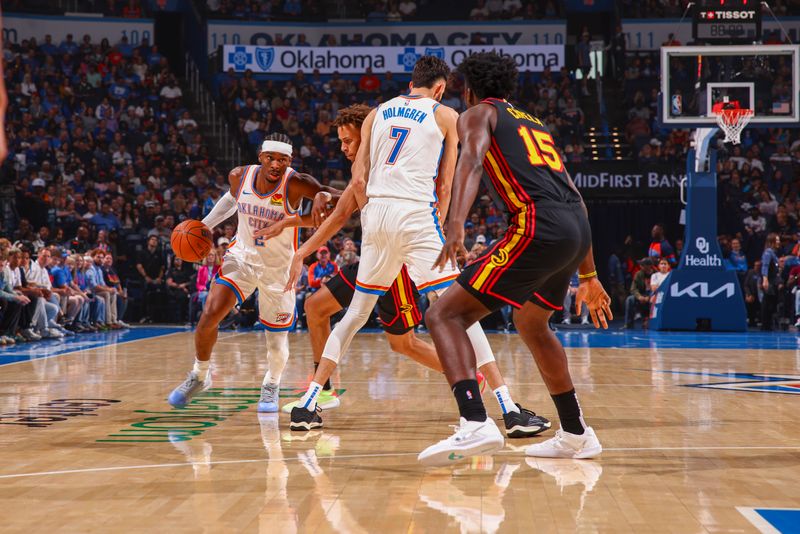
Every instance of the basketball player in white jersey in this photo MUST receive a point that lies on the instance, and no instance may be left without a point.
(408, 151)
(519, 422)
(261, 194)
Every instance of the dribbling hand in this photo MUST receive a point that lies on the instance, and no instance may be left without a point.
(592, 294)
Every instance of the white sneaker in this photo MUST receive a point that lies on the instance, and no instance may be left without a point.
(53, 333)
(472, 438)
(566, 445)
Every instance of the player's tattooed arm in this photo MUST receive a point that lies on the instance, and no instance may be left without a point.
(306, 186)
(475, 131)
(226, 205)
(361, 164)
(447, 118)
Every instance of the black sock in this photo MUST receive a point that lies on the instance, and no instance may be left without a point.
(470, 403)
(569, 412)
(327, 386)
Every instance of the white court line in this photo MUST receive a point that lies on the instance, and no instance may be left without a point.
(89, 350)
(182, 464)
(348, 457)
(757, 520)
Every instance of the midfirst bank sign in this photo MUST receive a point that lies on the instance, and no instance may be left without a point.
(396, 59)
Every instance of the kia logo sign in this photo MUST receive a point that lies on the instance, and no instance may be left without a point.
(699, 290)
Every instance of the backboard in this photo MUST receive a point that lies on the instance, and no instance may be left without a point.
(765, 78)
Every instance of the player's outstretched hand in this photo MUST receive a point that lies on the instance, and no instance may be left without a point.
(452, 249)
(319, 208)
(295, 270)
(592, 294)
(272, 230)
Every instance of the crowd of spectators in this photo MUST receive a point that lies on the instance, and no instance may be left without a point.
(133, 9)
(104, 155)
(383, 10)
(305, 106)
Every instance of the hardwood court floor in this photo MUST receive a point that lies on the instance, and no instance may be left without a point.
(677, 459)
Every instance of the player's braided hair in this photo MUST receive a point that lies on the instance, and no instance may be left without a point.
(490, 75)
(279, 137)
(355, 115)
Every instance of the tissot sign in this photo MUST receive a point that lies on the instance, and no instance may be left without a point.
(356, 59)
(267, 34)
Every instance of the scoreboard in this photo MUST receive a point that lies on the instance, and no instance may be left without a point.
(727, 21)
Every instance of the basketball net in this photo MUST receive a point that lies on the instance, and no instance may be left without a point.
(732, 121)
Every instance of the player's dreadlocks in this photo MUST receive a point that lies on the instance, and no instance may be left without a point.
(490, 75)
(355, 115)
(281, 138)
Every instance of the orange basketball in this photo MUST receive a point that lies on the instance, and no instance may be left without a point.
(191, 241)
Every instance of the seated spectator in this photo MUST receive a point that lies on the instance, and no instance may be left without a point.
(15, 318)
(114, 282)
(321, 270)
(96, 284)
(639, 299)
(348, 246)
(71, 299)
(658, 277)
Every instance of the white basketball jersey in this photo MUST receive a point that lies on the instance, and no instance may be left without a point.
(257, 210)
(405, 149)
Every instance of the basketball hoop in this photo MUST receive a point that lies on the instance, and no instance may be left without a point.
(732, 121)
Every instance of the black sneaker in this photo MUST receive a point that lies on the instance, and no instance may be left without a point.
(304, 420)
(525, 423)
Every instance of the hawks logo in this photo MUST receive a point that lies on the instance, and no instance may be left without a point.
(500, 258)
(406, 308)
(760, 383)
(282, 317)
(276, 199)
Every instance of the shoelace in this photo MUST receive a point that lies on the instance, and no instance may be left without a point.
(188, 383)
(461, 432)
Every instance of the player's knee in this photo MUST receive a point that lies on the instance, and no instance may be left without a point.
(438, 314)
(400, 344)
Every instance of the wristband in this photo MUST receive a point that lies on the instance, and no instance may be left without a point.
(587, 275)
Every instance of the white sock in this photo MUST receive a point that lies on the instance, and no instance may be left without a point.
(504, 400)
(309, 400)
(200, 368)
(277, 355)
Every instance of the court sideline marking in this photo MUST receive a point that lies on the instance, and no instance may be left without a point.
(360, 456)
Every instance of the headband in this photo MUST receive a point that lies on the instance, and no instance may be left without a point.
(277, 146)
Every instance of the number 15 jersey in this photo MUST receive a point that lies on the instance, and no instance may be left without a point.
(406, 146)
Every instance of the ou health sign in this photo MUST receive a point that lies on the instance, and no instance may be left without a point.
(356, 60)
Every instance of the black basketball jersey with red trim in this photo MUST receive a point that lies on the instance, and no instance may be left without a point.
(522, 163)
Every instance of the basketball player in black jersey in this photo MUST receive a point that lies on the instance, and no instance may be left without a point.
(547, 240)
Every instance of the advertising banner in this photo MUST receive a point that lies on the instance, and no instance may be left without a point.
(627, 179)
(18, 27)
(356, 59)
(398, 34)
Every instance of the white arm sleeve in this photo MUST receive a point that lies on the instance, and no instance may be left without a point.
(224, 208)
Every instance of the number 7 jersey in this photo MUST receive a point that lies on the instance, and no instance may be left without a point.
(522, 163)
(406, 146)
